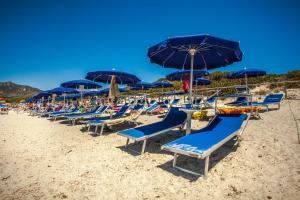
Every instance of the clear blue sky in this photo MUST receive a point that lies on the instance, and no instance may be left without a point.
(45, 42)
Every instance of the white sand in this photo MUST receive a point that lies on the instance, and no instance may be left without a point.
(40, 159)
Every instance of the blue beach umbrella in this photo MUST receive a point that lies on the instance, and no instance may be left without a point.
(105, 77)
(246, 73)
(163, 85)
(141, 85)
(195, 52)
(202, 81)
(61, 90)
(138, 88)
(179, 75)
(106, 91)
(81, 84)
(77, 83)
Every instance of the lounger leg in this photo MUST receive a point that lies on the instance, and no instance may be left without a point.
(102, 127)
(144, 146)
(127, 142)
(89, 128)
(175, 159)
(96, 128)
(206, 167)
(73, 122)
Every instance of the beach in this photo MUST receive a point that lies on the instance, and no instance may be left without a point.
(42, 159)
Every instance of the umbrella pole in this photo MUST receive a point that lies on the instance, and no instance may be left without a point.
(246, 80)
(189, 114)
(192, 54)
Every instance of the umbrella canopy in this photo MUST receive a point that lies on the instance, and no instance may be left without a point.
(92, 93)
(209, 52)
(246, 72)
(138, 88)
(62, 90)
(86, 83)
(202, 81)
(179, 75)
(105, 77)
(45, 94)
(163, 84)
(142, 84)
(106, 91)
(174, 93)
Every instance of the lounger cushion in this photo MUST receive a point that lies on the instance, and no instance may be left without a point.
(198, 142)
(175, 117)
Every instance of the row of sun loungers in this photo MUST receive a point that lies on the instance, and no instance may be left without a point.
(199, 144)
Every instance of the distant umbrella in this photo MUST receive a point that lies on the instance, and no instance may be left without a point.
(179, 75)
(81, 84)
(162, 85)
(202, 81)
(246, 73)
(105, 77)
(77, 83)
(62, 90)
(142, 85)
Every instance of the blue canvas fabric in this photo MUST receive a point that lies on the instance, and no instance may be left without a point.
(202, 81)
(175, 117)
(212, 52)
(105, 77)
(179, 75)
(220, 128)
(76, 83)
(249, 72)
(99, 120)
(162, 84)
(61, 90)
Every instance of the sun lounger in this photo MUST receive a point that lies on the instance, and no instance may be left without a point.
(175, 102)
(239, 101)
(271, 99)
(61, 114)
(202, 143)
(97, 112)
(102, 121)
(173, 119)
(152, 108)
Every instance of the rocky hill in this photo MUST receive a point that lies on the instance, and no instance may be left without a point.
(10, 89)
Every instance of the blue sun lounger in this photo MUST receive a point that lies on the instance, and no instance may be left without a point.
(271, 99)
(152, 107)
(94, 113)
(175, 102)
(57, 114)
(202, 143)
(239, 101)
(102, 121)
(173, 119)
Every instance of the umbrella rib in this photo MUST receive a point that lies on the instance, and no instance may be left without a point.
(168, 57)
(157, 52)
